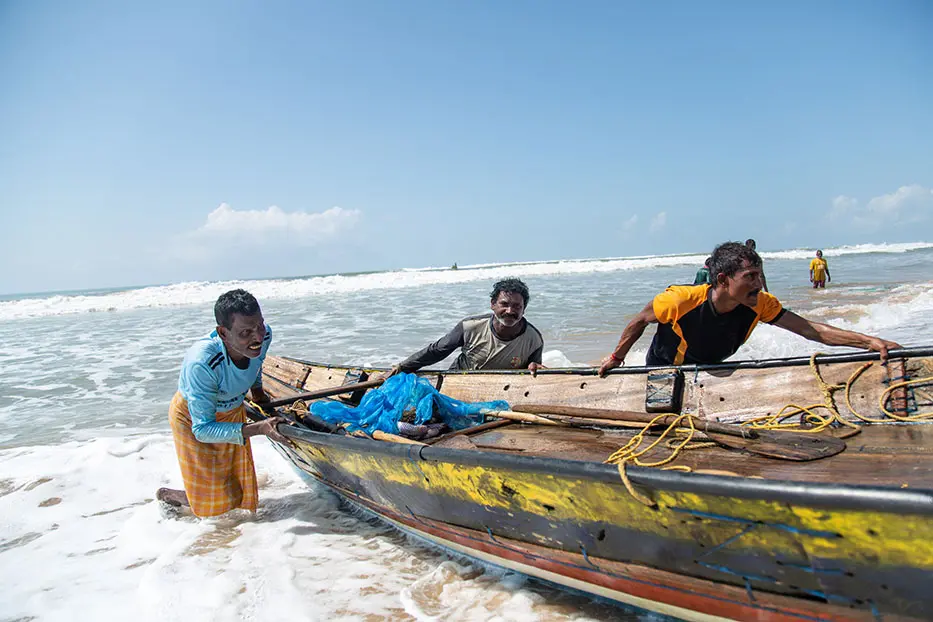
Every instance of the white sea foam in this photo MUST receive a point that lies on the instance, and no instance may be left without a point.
(199, 293)
(905, 315)
(839, 251)
(81, 536)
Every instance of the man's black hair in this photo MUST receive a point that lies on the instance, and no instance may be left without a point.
(510, 286)
(235, 301)
(730, 257)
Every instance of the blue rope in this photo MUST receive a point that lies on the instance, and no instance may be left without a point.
(745, 521)
(744, 576)
(415, 461)
(811, 569)
(750, 525)
(587, 558)
(729, 541)
(829, 597)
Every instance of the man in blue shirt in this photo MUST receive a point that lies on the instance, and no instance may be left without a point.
(207, 415)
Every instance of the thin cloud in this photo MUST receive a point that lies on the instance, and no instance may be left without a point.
(302, 227)
(658, 222)
(270, 228)
(843, 205)
(629, 223)
(907, 204)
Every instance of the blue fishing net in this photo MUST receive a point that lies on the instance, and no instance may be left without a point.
(381, 409)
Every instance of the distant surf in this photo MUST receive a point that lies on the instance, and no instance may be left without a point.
(203, 292)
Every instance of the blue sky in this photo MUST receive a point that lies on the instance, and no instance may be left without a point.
(145, 143)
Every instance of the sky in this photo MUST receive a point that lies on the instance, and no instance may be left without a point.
(150, 143)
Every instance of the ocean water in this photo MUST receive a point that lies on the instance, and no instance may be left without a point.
(86, 377)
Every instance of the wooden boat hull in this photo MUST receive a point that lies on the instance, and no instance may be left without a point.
(713, 547)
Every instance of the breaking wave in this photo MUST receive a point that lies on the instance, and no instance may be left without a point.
(202, 292)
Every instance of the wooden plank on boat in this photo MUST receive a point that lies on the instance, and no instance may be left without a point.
(320, 378)
(286, 371)
(476, 429)
(785, 445)
(725, 395)
(566, 443)
(736, 395)
(622, 391)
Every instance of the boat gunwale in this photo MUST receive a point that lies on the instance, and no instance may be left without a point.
(795, 361)
(821, 495)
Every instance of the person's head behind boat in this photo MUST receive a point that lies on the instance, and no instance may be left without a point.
(735, 270)
(508, 300)
(240, 323)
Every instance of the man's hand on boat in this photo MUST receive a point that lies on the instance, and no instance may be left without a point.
(259, 396)
(385, 375)
(610, 362)
(266, 427)
(882, 346)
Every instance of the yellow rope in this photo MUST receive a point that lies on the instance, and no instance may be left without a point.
(632, 452)
(810, 422)
(818, 423)
(813, 421)
(884, 395)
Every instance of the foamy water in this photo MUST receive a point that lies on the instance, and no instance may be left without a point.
(196, 293)
(84, 440)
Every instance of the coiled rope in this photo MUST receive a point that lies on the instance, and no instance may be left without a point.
(810, 422)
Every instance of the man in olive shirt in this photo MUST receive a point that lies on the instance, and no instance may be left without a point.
(702, 277)
(503, 339)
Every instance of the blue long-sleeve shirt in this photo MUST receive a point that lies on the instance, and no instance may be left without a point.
(211, 383)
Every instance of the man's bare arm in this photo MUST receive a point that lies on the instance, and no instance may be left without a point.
(635, 329)
(832, 336)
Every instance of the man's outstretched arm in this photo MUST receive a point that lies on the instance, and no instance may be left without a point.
(832, 336)
(635, 329)
(430, 354)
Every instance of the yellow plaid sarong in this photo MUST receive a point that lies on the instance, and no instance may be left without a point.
(218, 477)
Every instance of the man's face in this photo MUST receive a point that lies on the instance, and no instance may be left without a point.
(745, 285)
(508, 308)
(245, 335)
(819, 254)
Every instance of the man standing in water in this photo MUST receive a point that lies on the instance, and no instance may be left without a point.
(207, 415)
(503, 339)
(819, 271)
(701, 324)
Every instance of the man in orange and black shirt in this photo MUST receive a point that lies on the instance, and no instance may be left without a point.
(700, 324)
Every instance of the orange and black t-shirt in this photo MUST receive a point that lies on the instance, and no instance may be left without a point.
(691, 331)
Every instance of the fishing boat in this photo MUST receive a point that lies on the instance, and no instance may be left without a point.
(789, 489)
